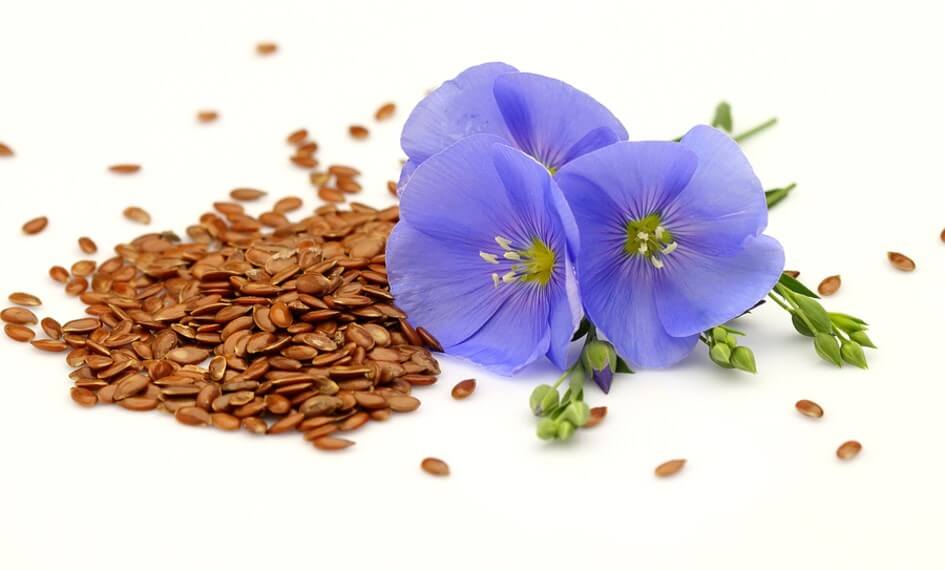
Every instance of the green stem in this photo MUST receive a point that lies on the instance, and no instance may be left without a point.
(742, 137)
(779, 302)
(795, 308)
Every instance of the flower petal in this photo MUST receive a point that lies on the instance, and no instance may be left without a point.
(460, 107)
(552, 121)
(405, 173)
(565, 313)
(701, 291)
(639, 178)
(724, 201)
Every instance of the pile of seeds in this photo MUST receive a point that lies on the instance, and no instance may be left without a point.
(273, 330)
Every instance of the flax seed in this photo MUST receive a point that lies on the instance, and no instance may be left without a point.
(597, 415)
(84, 397)
(266, 48)
(51, 327)
(385, 112)
(5, 150)
(809, 409)
(207, 116)
(297, 138)
(392, 187)
(463, 389)
(87, 245)
(50, 345)
(18, 316)
(358, 132)
(329, 443)
(829, 285)
(670, 468)
(35, 225)
(19, 333)
(900, 261)
(435, 466)
(59, 274)
(849, 450)
(124, 168)
(137, 215)
(246, 194)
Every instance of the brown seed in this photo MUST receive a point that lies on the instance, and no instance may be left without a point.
(429, 340)
(19, 333)
(25, 299)
(84, 397)
(193, 416)
(403, 403)
(287, 423)
(463, 389)
(792, 273)
(139, 403)
(5, 150)
(224, 421)
(83, 268)
(188, 355)
(829, 285)
(254, 425)
(77, 286)
(370, 400)
(207, 116)
(809, 408)
(83, 325)
(597, 416)
(137, 215)
(278, 404)
(246, 194)
(392, 187)
(18, 316)
(266, 48)
(329, 443)
(331, 195)
(941, 236)
(385, 112)
(298, 137)
(900, 261)
(435, 466)
(87, 245)
(669, 468)
(35, 225)
(849, 449)
(287, 204)
(50, 345)
(130, 386)
(125, 168)
(354, 422)
(359, 132)
(59, 273)
(51, 327)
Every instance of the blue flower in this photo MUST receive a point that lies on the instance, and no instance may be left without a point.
(547, 119)
(671, 241)
(481, 256)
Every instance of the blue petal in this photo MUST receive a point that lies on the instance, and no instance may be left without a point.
(552, 121)
(564, 318)
(701, 291)
(458, 108)
(405, 173)
(639, 178)
(724, 202)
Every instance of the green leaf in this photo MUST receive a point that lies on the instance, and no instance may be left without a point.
(583, 329)
(775, 195)
(814, 312)
(796, 286)
(622, 366)
(723, 117)
(827, 347)
(731, 330)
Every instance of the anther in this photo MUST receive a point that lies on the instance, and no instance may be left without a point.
(489, 257)
(495, 280)
(656, 262)
(512, 255)
(504, 243)
(509, 277)
(670, 248)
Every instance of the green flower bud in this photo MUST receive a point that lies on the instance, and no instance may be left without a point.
(577, 413)
(862, 339)
(852, 353)
(828, 348)
(543, 399)
(598, 354)
(731, 340)
(565, 430)
(815, 312)
(800, 326)
(847, 323)
(719, 335)
(721, 354)
(743, 359)
(547, 428)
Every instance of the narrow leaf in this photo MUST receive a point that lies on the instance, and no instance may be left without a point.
(796, 286)
(775, 195)
(723, 117)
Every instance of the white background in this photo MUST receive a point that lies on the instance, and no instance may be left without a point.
(859, 92)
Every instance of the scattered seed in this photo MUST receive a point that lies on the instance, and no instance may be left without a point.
(266, 48)
(403, 403)
(287, 204)
(5, 150)
(192, 416)
(941, 236)
(51, 327)
(207, 116)
(331, 195)
(792, 273)
(19, 333)
(246, 194)
(329, 443)
(87, 245)
(297, 138)
(849, 450)
(254, 425)
(124, 168)
(25, 299)
(224, 421)
(50, 345)
(463, 389)
(385, 112)
(435, 466)
(392, 187)
(670, 468)
(18, 316)
(59, 273)
(809, 408)
(359, 132)
(137, 215)
(83, 268)
(35, 225)
(84, 397)
(900, 261)
(597, 416)
(829, 285)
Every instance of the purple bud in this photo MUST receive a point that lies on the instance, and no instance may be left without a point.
(604, 378)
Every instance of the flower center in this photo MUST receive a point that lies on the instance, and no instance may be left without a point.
(531, 264)
(647, 237)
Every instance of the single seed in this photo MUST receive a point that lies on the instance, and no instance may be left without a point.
(83, 396)
(287, 204)
(18, 316)
(59, 273)
(435, 466)
(137, 215)
(849, 450)
(403, 403)
(298, 137)
(385, 112)
(329, 443)
(126, 168)
(193, 416)
(5, 150)
(331, 195)
(392, 187)
(19, 333)
(83, 325)
(87, 245)
(358, 132)
(207, 116)
(83, 268)
(51, 327)
(941, 236)
(900, 261)
(792, 273)
(463, 389)
(429, 340)
(35, 225)
(287, 423)
(224, 421)
(50, 345)
(246, 194)
(266, 48)
(254, 425)
(829, 285)
(25, 299)
(597, 416)
(139, 403)
(669, 468)
(809, 408)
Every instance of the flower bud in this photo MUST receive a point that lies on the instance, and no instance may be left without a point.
(547, 428)
(577, 413)
(847, 323)
(852, 353)
(565, 430)
(598, 354)
(604, 378)
(543, 398)
(721, 354)
(800, 326)
(719, 335)
(862, 339)
(743, 359)
(827, 347)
